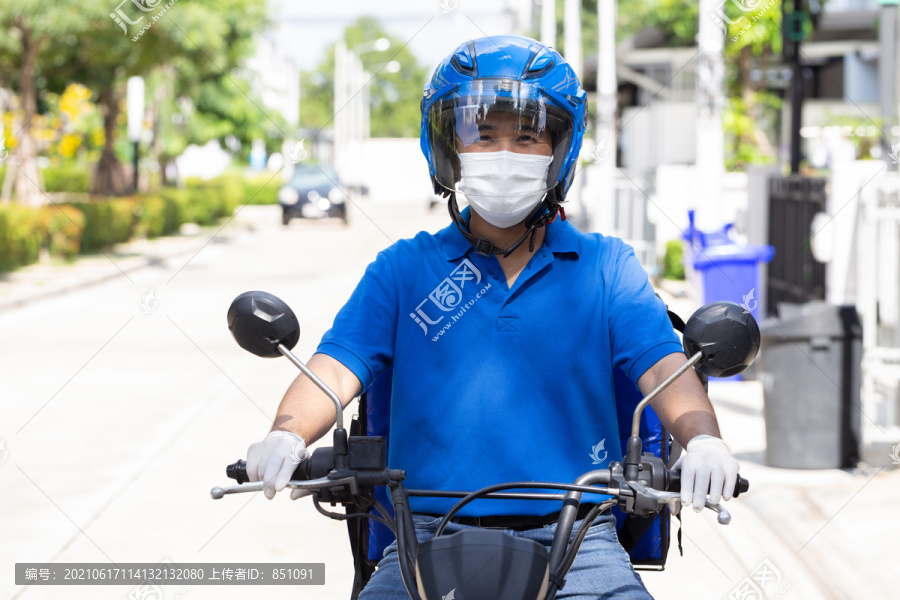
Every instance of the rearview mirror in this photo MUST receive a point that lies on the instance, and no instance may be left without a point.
(727, 335)
(260, 322)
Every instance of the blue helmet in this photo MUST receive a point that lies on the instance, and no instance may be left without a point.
(507, 74)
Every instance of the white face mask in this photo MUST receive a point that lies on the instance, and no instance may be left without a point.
(503, 187)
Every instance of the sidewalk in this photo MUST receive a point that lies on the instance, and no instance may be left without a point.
(797, 533)
(51, 277)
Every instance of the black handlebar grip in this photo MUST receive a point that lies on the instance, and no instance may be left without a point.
(740, 486)
(238, 471)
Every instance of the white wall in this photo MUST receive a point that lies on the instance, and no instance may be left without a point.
(841, 231)
(395, 170)
(659, 133)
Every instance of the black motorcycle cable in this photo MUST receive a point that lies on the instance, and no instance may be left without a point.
(558, 578)
(383, 511)
(345, 517)
(403, 512)
(403, 559)
(483, 492)
(581, 533)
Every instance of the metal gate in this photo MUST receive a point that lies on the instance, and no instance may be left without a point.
(794, 275)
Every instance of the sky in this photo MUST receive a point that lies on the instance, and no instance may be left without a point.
(433, 30)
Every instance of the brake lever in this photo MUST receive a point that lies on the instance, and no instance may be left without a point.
(295, 484)
(673, 500)
(724, 517)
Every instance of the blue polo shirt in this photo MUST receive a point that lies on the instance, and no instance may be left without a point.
(494, 384)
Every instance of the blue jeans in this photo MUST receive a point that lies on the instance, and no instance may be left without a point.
(601, 568)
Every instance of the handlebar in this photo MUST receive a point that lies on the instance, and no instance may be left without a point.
(319, 465)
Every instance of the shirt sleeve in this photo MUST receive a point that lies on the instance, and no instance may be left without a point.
(640, 330)
(364, 331)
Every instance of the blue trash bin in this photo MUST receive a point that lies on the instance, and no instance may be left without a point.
(731, 272)
(721, 269)
(698, 238)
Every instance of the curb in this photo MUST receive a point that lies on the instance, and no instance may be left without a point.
(128, 265)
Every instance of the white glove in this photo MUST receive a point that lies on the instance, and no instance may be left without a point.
(274, 459)
(707, 466)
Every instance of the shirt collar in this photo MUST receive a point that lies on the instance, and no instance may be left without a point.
(561, 237)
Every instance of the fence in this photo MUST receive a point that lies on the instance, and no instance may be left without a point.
(878, 273)
(793, 274)
(630, 220)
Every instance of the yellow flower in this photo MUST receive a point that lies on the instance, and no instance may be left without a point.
(69, 144)
(74, 101)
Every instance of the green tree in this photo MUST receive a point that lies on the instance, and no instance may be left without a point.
(192, 100)
(394, 97)
(27, 29)
(750, 116)
(191, 54)
(676, 21)
(202, 41)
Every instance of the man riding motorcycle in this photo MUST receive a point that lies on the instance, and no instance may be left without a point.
(503, 329)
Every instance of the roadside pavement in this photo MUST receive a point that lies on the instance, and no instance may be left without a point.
(817, 534)
(52, 277)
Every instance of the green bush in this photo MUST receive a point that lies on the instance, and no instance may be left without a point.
(233, 191)
(107, 221)
(21, 233)
(215, 198)
(205, 207)
(68, 178)
(177, 209)
(152, 220)
(63, 225)
(673, 265)
(262, 190)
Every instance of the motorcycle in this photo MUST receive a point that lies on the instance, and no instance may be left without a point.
(721, 339)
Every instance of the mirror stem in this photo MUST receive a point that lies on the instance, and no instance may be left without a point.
(634, 446)
(636, 420)
(338, 407)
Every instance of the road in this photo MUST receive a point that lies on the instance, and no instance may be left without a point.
(121, 409)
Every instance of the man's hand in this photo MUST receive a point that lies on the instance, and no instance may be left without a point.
(274, 459)
(707, 466)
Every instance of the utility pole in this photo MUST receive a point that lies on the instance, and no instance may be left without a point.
(792, 23)
(887, 76)
(710, 100)
(351, 106)
(572, 47)
(338, 148)
(602, 210)
(572, 34)
(548, 23)
(135, 106)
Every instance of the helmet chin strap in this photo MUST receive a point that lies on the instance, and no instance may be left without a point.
(536, 219)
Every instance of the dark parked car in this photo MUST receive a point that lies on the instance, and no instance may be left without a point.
(313, 193)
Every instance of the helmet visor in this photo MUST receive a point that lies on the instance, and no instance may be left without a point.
(492, 115)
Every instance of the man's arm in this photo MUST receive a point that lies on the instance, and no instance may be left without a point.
(305, 409)
(305, 414)
(683, 407)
